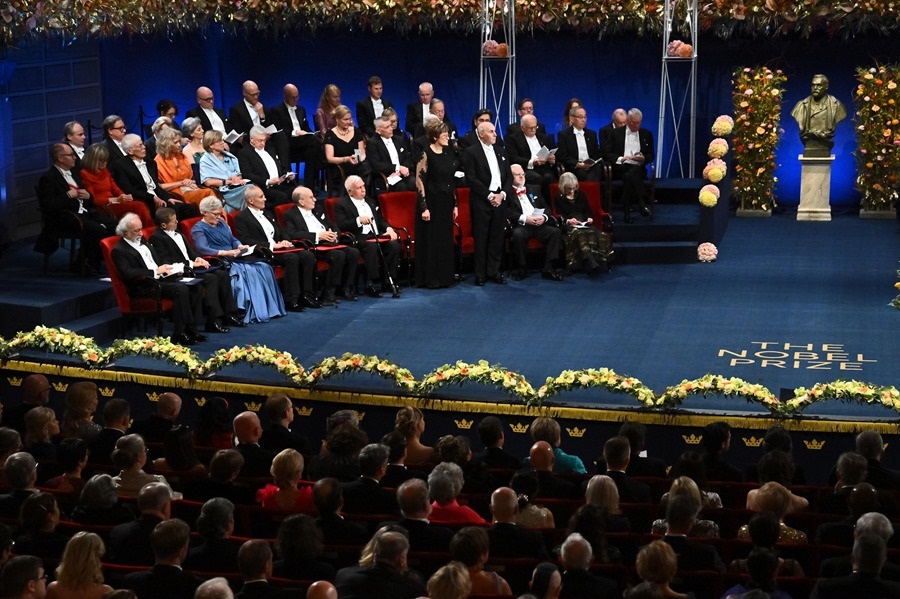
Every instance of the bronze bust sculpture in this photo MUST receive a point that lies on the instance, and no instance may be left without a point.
(817, 116)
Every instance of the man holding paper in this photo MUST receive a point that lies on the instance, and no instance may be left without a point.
(530, 218)
(535, 152)
(579, 150)
(390, 155)
(261, 163)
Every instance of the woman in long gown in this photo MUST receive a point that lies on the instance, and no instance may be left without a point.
(345, 145)
(219, 169)
(435, 184)
(97, 179)
(175, 173)
(587, 247)
(253, 282)
(192, 131)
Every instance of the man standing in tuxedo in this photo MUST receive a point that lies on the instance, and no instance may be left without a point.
(261, 163)
(138, 266)
(579, 150)
(487, 171)
(303, 144)
(312, 224)
(526, 225)
(211, 118)
(629, 150)
(256, 226)
(360, 215)
(523, 146)
(389, 154)
(372, 106)
(417, 111)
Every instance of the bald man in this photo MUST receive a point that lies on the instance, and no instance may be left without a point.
(35, 393)
(542, 460)
(523, 145)
(247, 431)
(321, 589)
(507, 538)
(249, 111)
(619, 117)
(304, 146)
(417, 111)
(154, 428)
(205, 110)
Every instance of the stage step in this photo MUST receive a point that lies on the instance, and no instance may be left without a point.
(678, 191)
(104, 326)
(660, 252)
(52, 302)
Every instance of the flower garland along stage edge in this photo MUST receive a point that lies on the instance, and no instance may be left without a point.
(757, 113)
(877, 103)
(59, 340)
(22, 20)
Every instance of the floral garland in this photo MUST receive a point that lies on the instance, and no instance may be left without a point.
(593, 377)
(757, 111)
(55, 340)
(348, 362)
(256, 354)
(715, 384)
(24, 19)
(461, 372)
(160, 348)
(845, 391)
(878, 135)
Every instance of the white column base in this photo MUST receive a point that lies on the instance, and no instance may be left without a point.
(815, 188)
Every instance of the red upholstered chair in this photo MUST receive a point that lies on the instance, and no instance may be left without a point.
(132, 307)
(399, 209)
(280, 209)
(591, 191)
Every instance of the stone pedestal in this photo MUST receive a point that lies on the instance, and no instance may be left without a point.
(815, 188)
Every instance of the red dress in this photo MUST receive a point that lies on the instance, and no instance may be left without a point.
(302, 502)
(102, 187)
(454, 513)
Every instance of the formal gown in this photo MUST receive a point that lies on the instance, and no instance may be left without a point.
(582, 243)
(176, 168)
(102, 187)
(346, 148)
(253, 282)
(436, 187)
(213, 168)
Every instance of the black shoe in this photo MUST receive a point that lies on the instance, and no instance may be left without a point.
(215, 327)
(349, 295)
(372, 292)
(552, 275)
(479, 281)
(311, 302)
(234, 320)
(295, 307)
(520, 274)
(645, 212)
(628, 218)
(328, 299)
(395, 293)
(183, 339)
(498, 279)
(198, 337)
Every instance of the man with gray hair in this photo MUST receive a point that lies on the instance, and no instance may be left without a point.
(412, 496)
(129, 542)
(870, 445)
(868, 558)
(365, 495)
(386, 577)
(508, 539)
(629, 150)
(20, 470)
(576, 556)
(214, 588)
(871, 523)
(391, 156)
(271, 172)
(141, 273)
(114, 131)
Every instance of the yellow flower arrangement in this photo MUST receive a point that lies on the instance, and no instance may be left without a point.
(715, 170)
(604, 378)
(714, 384)
(158, 347)
(709, 195)
(360, 363)
(55, 340)
(757, 110)
(877, 102)
(281, 361)
(843, 390)
(717, 148)
(480, 372)
(722, 126)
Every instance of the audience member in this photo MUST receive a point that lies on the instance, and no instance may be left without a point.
(397, 472)
(546, 581)
(116, 419)
(531, 515)
(577, 581)
(100, 504)
(23, 577)
(211, 118)
(777, 437)
(550, 484)
(685, 486)
(365, 494)
(601, 491)
(579, 149)
(35, 390)
(716, 440)
(391, 157)
(862, 499)
(445, 483)
(165, 580)
(249, 111)
(323, 118)
(507, 538)
(129, 543)
(153, 429)
(215, 588)
(764, 529)
(490, 432)
(255, 561)
(213, 425)
(304, 146)
(192, 132)
(217, 553)
(618, 119)
(870, 445)
(410, 422)
(279, 410)
(224, 468)
(300, 547)
(451, 581)
(176, 175)
(871, 523)
(638, 463)
(548, 429)
(412, 496)
(130, 456)
(526, 226)
(285, 495)
(868, 558)
(179, 456)
(338, 457)
(81, 403)
(777, 466)
(457, 449)
(329, 501)
(692, 465)
(617, 453)
(628, 151)
(39, 517)
(657, 564)
(41, 427)
(417, 111)
(773, 497)
(80, 572)
(591, 522)
(247, 432)
(71, 457)
(271, 172)
(681, 513)
(524, 145)
(386, 577)
(20, 470)
(372, 106)
(73, 134)
(762, 565)
(321, 589)
(470, 546)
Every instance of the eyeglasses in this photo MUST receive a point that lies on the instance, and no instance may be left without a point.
(122, 128)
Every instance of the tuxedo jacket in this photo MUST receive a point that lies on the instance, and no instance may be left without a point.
(239, 118)
(263, 589)
(346, 214)
(568, 147)
(279, 116)
(615, 145)
(295, 225)
(605, 132)
(257, 461)
(511, 540)
(413, 118)
(115, 154)
(77, 167)
(357, 582)
(52, 189)
(129, 543)
(130, 180)
(478, 173)
(425, 536)
(253, 167)
(366, 496)
(514, 206)
(365, 114)
(162, 582)
(135, 274)
(277, 438)
(249, 230)
(169, 252)
(516, 127)
(693, 555)
(378, 156)
(630, 490)
(197, 112)
(518, 150)
(578, 584)
(855, 585)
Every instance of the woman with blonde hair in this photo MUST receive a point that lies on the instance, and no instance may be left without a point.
(81, 403)
(175, 173)
(410, 422)
(686, 486)
(130, 457)
(219, 169)
(601, 491)
(41, 426)
(345, 149)
(323, 118)
(450, 582)
(774, 497)
(284, 495)
(79, 575)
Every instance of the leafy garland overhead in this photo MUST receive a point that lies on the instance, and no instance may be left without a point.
(21, 20)
(64, 341)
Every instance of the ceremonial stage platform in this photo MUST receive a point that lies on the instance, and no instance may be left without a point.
(787, 304)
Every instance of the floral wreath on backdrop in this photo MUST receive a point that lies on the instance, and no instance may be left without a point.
(63, 341)
(30, 19)
(877, 102)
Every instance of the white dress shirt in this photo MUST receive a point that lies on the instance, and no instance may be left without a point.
(313, 224)
(493, 164)
(362, 207)
(267, 227)
(70, 181)
(179, 241)
(148, 180)
(214, 121)
(582, 145)
(525, 201)
(377, 106)
(295, 122)
(79, 151)
(392, 150)
(632, 145)
(267, 159)
(144, 251)
(254, 116)
(535, 146)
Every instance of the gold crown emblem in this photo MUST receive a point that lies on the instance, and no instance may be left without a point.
(519, 428)
(253, 406)
(814, 444)
(692, 439)
(360, 416)
(106, 391)
(752, 441)
(14, 381)
(153, 396)
(302, 411)
(576, 432)
(464, 424)
(61, 387)
(200, 401)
